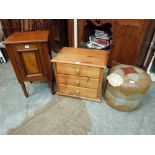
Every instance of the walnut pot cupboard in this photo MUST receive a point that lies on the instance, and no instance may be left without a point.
(28, 52)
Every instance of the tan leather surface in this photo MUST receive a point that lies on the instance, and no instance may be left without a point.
(131, 93)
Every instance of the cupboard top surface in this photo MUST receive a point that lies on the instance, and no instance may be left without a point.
(25, 37)
(81, 56)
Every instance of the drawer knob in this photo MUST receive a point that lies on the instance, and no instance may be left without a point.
(77, 92)
(77, 71)
(77, 83)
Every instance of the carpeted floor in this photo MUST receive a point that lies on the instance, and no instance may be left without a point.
(67, 117)
(15, 108)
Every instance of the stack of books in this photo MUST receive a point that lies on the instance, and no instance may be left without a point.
(100, 40)
(102, 35)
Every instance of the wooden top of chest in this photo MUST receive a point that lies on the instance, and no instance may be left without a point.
(26, 37)
(81, 56)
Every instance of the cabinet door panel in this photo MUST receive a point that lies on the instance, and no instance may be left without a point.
(31, 67)
(127, 40)
(30, 63)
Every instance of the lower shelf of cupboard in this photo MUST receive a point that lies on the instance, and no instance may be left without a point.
(97, 99)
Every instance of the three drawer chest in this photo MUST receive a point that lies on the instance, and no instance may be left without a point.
(79, 72)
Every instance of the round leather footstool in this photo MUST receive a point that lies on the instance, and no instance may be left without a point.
(126, 87)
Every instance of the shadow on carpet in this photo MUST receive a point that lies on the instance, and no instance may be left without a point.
(66, 117)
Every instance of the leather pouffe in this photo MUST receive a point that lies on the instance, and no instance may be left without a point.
(130, 93)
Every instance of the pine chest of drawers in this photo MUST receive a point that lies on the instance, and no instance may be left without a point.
(79, 72)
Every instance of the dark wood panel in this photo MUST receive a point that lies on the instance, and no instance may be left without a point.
(71, 32)
(130, 38)
(58, 29)
(126, 41)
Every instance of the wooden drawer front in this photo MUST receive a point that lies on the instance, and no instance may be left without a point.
(78, 70)
(78, 91)
(26, 47)
(78, 81)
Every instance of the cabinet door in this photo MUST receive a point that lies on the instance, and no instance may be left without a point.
(30, 61)
(127, 39)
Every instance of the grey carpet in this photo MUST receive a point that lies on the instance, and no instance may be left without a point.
(14, 106)
(107, 120)
(66, 117)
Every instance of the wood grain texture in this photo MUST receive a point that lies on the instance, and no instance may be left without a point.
(78, 81)
(84, 79)
(30, 58)
(58, 33)
(31, 46)
(30, 63)
(100, 86)
(78, 91)
(81, 56)
(70, 23)
(81, 97)
(78, 70)
(27, 37)
(130, 38)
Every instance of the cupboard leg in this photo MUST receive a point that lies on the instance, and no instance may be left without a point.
(24, 89)
(52, 87)
(52, 84)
